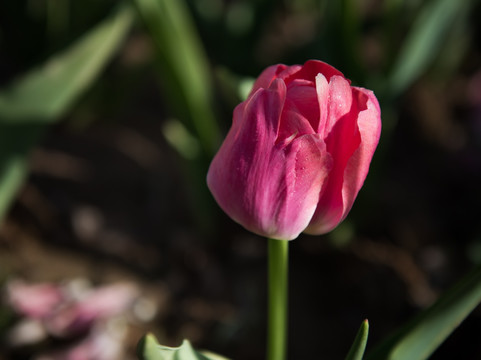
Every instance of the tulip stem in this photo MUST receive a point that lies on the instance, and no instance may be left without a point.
(277, 299)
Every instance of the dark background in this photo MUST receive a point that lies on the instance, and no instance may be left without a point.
(109, 199)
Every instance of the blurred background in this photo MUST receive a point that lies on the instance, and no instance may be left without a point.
(110, 112)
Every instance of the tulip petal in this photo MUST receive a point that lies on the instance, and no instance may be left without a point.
(293, 124)
(311, 68)
(302, 94)
(342, 140)
(340, 104)
(270, 188)
(306, 165)
(369, 124)
(300, 107)
(266, 78)
(351, 142)
(322, 90)
(236, 170)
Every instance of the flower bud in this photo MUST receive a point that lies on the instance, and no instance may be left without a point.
(297, 153)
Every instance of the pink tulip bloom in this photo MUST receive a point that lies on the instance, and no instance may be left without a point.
(297, 153)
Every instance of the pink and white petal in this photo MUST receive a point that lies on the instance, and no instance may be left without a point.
(322, 91)
(369, 124)
(340, 103)
(336, 203)
(301, 167)
(236, 171)
(342, 142)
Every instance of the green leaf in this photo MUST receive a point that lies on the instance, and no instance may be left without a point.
(184, 67)
(359, 345)
(424, 41)
(419, 338)
(186, 78)
(44, 94)
(15, 141)
(149, 349)
(180, 139)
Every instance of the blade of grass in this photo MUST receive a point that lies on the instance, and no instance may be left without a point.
(184, 67)
(359, 346)
(15, 141)
(419, 338)
(44, 94)
(424, 41)
(186, 78)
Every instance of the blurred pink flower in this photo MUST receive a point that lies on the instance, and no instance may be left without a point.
(35, 301)
(297, 153)
(65, 314)
(105, 302)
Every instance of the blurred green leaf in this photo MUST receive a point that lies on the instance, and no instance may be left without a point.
(12, 175)
(424, 41)
(15, 141)
(419, 338)
(187, 83)
(44, 94)
(184, 66)
(245, 87)
(149, 349)
(455, 47)
(359, 346)
(180, 139)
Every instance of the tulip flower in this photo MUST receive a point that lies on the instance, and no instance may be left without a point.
(297, 153)
(91, 319)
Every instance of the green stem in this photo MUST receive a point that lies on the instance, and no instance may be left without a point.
(277, 299)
